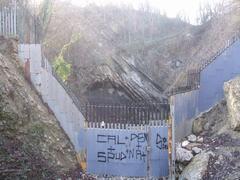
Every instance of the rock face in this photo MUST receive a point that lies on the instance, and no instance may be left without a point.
(216, 135)
(232, 93)
(197, 167)
(162, 55)
(217, 114)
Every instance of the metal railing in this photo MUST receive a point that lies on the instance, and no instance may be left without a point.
(132, 113)
(219, 53)
(193, 83)
(193, 76)
(67, 89)
(8, 20)
(182, 89)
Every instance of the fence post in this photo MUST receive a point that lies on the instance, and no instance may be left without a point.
(172, 142)
(8, 22)
(148, 152)
(15, 18)
(1, 27)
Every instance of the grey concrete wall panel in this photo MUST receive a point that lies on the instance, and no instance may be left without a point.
(70, 118)
(82, 139)
(116, 152)
(22, 49)
(122, 152)
(185, 109)
(224, 68)
(159, 151)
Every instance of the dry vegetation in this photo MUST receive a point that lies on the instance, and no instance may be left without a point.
(113, 38)
(160, 47)
(32, 143)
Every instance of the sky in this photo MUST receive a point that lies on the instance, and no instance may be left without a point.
(171, 7)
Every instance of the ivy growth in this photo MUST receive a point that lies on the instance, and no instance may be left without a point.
(61, 66)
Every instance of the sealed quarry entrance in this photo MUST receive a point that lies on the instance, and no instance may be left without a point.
(132, 140)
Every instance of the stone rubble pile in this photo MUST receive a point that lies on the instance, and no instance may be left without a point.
(187, 150)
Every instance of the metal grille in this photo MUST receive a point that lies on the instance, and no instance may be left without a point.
(193, 78)
(132, 113)
(8, 20)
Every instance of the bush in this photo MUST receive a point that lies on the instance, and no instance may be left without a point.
(62, 68)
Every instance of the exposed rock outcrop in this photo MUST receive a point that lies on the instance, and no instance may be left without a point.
(218, 137)
(232, 93)
(197, 167)
(216, 115)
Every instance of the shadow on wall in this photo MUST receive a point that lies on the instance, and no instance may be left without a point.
(185, 108)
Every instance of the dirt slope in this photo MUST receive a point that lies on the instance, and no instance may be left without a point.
(114, 44)
(209, 39)
(32, 143)
(163, 49)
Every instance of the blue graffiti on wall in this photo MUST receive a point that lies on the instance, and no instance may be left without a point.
(124, 152)
(161, 142)
(113, 154)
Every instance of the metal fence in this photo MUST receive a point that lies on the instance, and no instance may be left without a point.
(193, 76)
(133, 113)
(188, 103)
(182, 89)
(228, 44)
(8, 20)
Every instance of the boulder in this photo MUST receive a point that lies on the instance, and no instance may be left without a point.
(190, 146)
(196, 150)
(200, 139)
(192, 138)
(197, 167)
(232, 93)
(185, 143)
(183, 155)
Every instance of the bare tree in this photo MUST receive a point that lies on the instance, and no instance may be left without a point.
(209, 11)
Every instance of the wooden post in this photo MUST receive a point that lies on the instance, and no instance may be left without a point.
(171, 141)
(149, 168)
(27, 74)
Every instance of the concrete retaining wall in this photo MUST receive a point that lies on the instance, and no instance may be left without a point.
(224, 68)
(185, 108)
(67, 113)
